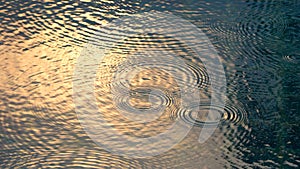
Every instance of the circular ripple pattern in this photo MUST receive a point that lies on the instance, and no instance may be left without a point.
(126, 67)
(265, 21)
(250, 33)
(196, 70)
(259, 25)
(147, 75)
(233, 114)
(143, 75)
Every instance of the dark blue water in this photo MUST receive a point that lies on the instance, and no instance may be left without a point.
(257, 41)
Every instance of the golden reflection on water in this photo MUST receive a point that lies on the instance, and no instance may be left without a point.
(43, 76)
(37, 109)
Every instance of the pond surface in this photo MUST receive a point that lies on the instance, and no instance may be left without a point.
(257, 43)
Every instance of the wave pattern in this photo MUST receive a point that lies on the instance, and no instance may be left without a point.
(257, 40)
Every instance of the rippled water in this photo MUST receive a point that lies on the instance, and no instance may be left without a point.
(258, 42)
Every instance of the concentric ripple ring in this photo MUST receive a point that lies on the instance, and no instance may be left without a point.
(85, 73)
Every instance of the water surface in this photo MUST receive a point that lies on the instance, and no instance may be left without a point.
(258, 42)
